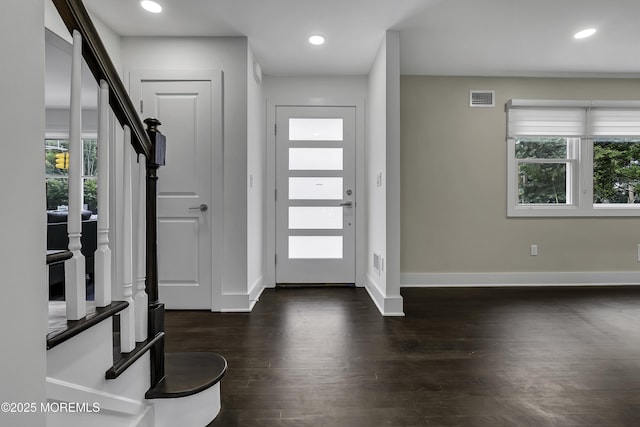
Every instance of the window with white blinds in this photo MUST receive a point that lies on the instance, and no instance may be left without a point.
(573, 158)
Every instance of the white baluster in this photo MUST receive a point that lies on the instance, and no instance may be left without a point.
(141, 299)
(75, 279)
(102, 258)
(127, 316)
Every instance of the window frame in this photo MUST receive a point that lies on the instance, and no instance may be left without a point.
(60, 136)
(580, 201)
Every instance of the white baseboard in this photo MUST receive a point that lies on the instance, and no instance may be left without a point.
(388, 306)
(587, 278)
(243, 303)
(236, 303)
(256, 290)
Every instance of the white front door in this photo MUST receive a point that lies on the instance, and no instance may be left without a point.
(184, 190)
(315, 195)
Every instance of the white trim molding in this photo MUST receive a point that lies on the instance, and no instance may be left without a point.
(236, 303)
(255, 290)
(388, 306)
(241, 302)
(583, 278)
(297, 96)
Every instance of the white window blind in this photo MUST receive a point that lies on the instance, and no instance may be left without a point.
(615, 122)
(547, 122)
(572, 118)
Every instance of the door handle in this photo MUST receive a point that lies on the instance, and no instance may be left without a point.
(201, 208)
(347, 204)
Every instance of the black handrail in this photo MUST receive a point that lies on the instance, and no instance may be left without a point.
(75, 17)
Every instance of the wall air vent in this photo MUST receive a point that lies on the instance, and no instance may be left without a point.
(377, 263)
(482, 98)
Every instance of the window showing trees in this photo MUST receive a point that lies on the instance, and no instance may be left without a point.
(56, 177)
(543, 166)
(616, 170)
(573, 158)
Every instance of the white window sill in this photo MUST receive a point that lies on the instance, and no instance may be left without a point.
(599, 210)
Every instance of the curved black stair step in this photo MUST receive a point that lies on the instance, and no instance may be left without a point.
(187, 374)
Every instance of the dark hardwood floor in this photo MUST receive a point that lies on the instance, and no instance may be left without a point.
(460, 357)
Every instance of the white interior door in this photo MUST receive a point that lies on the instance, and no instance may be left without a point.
(315, 195)
(184, 190)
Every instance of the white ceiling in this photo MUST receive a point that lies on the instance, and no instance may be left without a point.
(437, 37)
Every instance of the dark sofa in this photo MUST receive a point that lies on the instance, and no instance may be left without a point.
(58, 238)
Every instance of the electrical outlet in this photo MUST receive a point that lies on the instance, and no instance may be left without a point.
(534, 250)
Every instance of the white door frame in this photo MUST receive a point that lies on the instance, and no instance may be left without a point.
(361, 227)
(216, 207)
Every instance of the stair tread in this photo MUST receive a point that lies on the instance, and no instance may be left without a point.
(60, 329)
(188, 373)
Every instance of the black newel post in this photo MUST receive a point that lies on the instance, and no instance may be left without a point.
(156, 308)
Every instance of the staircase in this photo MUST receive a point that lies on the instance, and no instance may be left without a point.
(107, 357)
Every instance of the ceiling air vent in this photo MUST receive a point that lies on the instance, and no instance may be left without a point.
(482, 98)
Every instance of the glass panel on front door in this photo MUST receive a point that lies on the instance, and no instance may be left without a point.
(315, 129)
(315, 247)
(318, 217)
(315, 188)
(315, 159)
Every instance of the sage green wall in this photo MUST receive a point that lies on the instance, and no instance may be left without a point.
(453, 172)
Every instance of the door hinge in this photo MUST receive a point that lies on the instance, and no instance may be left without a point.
(275, 259)
(275, 194)
(275, 129)
(141, 105)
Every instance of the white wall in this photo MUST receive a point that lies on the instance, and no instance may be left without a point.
(23, 303)
(383, 176)
(337, 91)
(376, 171)
(57, 123)
(53, 22)
(228, 54)
(393, 305)
(110, 38)
(256, 179)
(112, 41)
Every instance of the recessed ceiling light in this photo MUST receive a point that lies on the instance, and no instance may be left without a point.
(317, 39)
(151, 6)
(584, 33)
